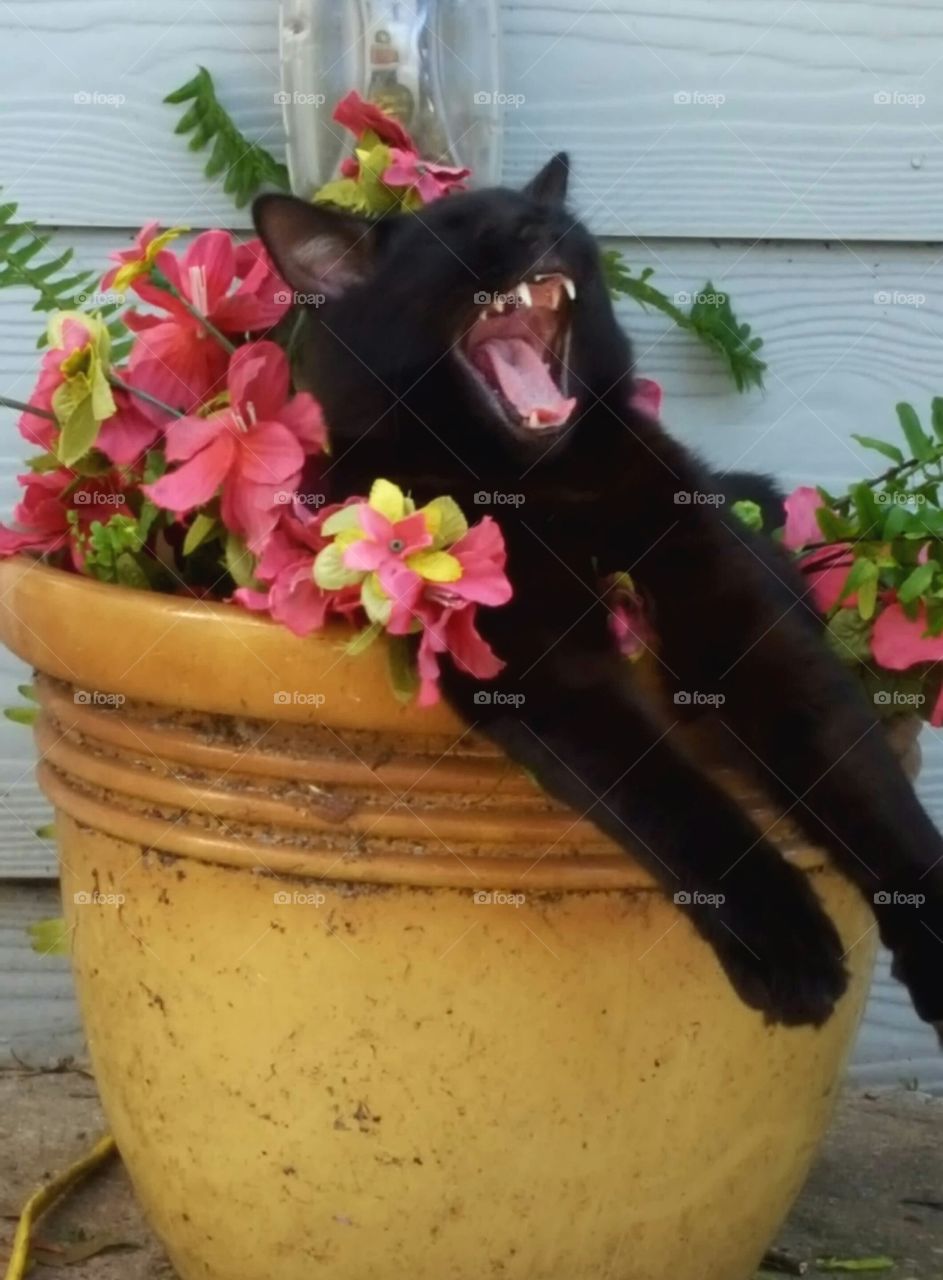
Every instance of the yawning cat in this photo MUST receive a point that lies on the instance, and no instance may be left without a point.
(473, 347)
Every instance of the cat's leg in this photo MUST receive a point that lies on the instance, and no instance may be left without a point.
(595, 749)
(818, 745)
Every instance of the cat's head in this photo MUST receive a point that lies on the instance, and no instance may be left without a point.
(482, 323)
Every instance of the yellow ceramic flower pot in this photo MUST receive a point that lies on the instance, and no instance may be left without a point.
(362, 1003)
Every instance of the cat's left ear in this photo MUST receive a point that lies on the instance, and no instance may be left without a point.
(551, 184)
(316, 249)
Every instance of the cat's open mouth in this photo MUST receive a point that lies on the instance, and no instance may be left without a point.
(517, 347)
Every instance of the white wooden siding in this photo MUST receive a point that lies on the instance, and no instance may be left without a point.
(847, 299)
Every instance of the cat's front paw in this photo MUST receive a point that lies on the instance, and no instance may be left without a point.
(911, 920)
(782, 952)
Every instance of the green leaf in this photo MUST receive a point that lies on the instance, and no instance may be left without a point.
(49, 937)
(240, 562)
(48, 832)
(115, 552)
(869, 513)
(918, 441)
(863, 579)
(27, 691)
(750, 513)
(403, 674)
(330, 572)
(21, 715)
(202, 528)
(936, 410)
(882, 447)
(246, 166)
(364, 639)
(917, 582)
(850, 636)
(711, 319)
(20, 247)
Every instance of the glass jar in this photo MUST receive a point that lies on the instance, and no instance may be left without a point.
(434, 64)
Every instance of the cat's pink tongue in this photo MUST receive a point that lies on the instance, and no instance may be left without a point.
(525, 381)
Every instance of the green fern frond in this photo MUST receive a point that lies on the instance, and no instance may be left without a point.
(710, 318)
(24, 263)
(247, 166)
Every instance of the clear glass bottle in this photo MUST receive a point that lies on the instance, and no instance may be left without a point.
(434, 64)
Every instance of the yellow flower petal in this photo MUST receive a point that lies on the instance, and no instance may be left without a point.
(388, 499)
(445, 521)
(435, 566)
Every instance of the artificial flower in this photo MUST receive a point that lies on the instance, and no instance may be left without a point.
(235, 289)
(899, 642)
(55, 504)
(362, 117)
(429, 181)
(253, 450)
(139, 260)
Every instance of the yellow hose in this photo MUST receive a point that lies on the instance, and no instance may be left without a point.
(46, 1197)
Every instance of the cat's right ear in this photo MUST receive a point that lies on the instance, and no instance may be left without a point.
(316, 250)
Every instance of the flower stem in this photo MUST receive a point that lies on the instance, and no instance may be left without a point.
(7, 403)
(142, 395)
(207, 324)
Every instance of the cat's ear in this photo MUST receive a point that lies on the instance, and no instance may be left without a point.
(315, 249)
(550, 185)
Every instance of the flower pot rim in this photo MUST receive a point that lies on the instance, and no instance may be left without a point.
(196, 655)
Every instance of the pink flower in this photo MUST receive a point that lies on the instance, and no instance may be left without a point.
(42, 514)
(801, 525)
(899, 642)
(254, 450)
(430, 181)
(42, 431)
(447, 611)
(137, 426)
(185, 364)
(287, 567)
(137, 261)
(360, 117)
(384, 549)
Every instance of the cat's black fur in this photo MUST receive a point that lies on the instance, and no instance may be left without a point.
(600, 496)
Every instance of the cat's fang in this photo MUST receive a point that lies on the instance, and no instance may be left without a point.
(524, 295)
(570, 288)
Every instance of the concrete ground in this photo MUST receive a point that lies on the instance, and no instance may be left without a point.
(877, 1189)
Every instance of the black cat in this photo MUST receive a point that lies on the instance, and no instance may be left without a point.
(472, 348)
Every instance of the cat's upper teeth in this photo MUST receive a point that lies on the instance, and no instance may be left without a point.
(570, 288)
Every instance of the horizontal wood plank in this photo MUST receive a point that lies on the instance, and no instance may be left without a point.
(793, 118)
